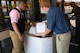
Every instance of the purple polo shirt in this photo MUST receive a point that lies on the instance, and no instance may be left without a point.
(15, 15)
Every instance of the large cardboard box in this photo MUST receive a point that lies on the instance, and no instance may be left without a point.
(38, 29)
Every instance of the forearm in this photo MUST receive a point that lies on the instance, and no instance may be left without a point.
(47, 31)
(15, 27)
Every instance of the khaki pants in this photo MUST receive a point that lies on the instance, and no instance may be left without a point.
(63, 42)
(17, 44)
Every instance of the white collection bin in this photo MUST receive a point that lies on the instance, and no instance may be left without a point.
(34, 44)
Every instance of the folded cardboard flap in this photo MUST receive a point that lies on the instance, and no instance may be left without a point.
(32, 30)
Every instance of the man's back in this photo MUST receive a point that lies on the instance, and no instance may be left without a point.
(58, 20)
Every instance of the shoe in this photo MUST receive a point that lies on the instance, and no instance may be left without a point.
(75, 44)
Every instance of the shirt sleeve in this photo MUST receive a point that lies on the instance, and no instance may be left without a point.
(14, 15)
(51, 20)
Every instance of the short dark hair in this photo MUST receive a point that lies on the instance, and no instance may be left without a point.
(22, 1)
(72, 3)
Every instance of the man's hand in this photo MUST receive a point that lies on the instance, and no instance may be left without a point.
(46, 32)
(44, 21)
(21, 37)
(43, 34)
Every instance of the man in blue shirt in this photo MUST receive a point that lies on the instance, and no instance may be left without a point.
(57, 22)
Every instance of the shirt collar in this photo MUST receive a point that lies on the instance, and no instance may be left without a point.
(18, 8)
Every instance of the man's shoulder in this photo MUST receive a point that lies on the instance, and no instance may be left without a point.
(14, 11)
(54, 9)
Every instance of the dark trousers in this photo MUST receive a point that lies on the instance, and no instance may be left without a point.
(77, 36)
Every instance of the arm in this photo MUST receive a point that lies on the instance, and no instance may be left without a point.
(46, 32)
(15, 27)
(50, 23)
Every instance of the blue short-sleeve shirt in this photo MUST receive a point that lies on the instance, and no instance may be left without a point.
(56, 21)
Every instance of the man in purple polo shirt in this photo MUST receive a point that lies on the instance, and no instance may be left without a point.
(18, 27)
